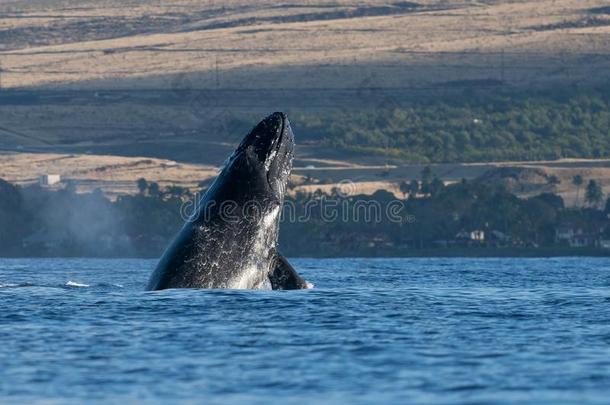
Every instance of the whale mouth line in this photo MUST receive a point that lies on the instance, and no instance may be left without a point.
(277, 143)
(280, 138)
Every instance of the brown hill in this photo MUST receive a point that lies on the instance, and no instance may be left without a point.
(169, 79)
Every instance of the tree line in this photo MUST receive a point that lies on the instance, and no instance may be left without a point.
(470, 127)
(468, 216)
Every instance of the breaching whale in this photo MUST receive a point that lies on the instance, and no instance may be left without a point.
(230, 241)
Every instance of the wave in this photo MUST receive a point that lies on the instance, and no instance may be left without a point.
(109, 285)
(15, 285)
(68, 284)
(8, 285)
(75, 284)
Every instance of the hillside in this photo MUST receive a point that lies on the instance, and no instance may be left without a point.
(238, 44)
(183, 80)
(116, 176)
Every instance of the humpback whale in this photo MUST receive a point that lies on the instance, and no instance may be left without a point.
(230, 241)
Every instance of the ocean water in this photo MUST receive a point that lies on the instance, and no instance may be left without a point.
(371, 331)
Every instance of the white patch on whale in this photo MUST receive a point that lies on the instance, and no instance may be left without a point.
(254, 275)
(270, 159)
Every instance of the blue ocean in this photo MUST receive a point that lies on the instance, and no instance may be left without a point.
(442, 330)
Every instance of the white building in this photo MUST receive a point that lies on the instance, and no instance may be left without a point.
(49, 179)
(476, 235)
(604, 243)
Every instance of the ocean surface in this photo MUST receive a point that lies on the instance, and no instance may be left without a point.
(371, 331)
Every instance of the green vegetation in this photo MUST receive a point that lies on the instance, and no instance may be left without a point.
(35, 221)
(594, 194)
(471, 127)
(464, 218)
(437, 219)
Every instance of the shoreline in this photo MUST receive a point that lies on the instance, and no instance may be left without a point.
(387, 254)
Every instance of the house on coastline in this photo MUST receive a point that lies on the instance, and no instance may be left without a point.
(47, 180)
(576, 236)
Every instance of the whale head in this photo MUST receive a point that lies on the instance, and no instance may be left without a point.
(264, 158)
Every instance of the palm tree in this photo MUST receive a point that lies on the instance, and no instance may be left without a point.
(413, 188)
(142, 185)
(577, 181)
(607, 209)
(426, 175)
(554, 181)
(404, 188)
(153, 189)
(436, 186)
(594, 194)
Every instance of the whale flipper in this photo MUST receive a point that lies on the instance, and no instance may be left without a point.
(283, 276)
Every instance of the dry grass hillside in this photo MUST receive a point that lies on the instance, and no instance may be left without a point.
(116, 175)
(167, 79)
(82, 82)
(318, 44)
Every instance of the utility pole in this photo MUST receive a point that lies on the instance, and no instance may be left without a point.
(502, 67)
(217, 78)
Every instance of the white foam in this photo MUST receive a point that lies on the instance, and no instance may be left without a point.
(75, 284)
(309, 285)
(8, 285)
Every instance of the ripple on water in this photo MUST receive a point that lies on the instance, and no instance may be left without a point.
(384, 330)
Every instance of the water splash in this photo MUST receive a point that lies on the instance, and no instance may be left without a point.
(76, 284)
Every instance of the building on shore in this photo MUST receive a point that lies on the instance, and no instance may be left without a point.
(47, 180)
